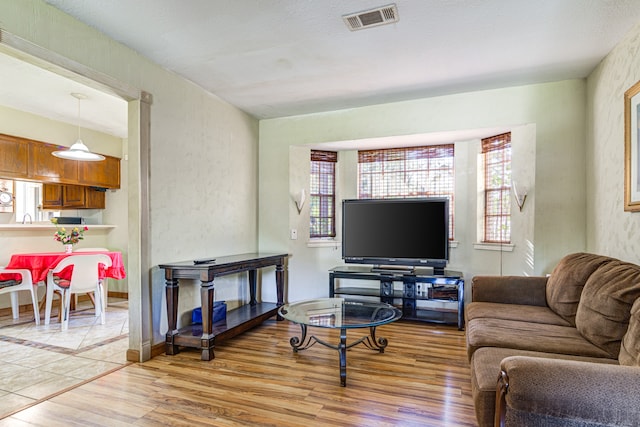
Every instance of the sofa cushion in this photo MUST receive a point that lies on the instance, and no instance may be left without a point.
(567, 279)
(523, 290)
(605, 306)
(630, 346)
(484, 332)
(529, 313)
(485, 368)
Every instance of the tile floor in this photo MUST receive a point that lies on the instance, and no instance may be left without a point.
(38, 361)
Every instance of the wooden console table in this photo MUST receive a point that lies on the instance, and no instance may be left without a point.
(238, 320)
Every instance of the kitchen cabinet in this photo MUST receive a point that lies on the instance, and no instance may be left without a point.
(14, 154)
(51, 196)
(55, 196)
(104, 174)
(30, 160)
(93, 198)
(73, 196)
(45, 167)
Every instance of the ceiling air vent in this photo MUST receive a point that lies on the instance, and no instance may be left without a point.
(372, 17)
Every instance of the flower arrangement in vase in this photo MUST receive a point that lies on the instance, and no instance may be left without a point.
(68, 238)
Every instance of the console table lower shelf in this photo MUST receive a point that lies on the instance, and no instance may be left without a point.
(238, 321)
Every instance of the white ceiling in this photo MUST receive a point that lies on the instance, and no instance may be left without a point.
(26, 87)
(287, 57)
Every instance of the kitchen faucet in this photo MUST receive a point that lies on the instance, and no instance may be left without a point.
(24, 218)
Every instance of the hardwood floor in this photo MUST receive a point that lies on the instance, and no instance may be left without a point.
(256, 379)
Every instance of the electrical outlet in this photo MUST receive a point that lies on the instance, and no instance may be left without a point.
(294, 234)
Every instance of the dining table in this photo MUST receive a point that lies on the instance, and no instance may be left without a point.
(39, 264)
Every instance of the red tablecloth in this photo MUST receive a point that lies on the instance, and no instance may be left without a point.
(40, 263)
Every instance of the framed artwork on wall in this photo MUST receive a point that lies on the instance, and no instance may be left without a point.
(632, 148)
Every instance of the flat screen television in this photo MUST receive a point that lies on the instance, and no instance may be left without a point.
(390, 233)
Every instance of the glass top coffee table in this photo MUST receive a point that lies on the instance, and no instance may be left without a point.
(338, 313)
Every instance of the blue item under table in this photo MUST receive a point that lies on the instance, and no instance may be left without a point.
(219, 313)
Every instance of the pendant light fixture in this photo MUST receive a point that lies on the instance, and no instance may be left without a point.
(78, 151)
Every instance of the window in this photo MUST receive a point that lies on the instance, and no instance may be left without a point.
(408, 172)
(28, 201)
(496, 156)
(323, 194)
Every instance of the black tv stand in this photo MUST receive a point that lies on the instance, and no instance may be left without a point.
(421, 294)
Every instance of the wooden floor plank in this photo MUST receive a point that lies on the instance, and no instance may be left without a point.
(422, 379)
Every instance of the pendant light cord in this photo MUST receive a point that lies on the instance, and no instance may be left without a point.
(78, 117)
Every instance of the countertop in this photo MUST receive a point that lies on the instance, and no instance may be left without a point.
(44, 226)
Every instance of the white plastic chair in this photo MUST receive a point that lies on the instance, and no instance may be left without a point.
(105, 283)
(25, 284)
(84, 278)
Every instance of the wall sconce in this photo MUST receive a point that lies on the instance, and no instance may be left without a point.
(520, 196)
(299, 199)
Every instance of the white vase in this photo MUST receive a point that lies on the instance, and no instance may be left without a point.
(68, 249)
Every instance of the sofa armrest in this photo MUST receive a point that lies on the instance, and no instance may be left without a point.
(545, 391)
(526, 290)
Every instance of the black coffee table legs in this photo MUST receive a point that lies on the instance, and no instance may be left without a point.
(370, 341)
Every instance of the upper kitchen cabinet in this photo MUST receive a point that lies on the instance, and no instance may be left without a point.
(46, 167)
(105, 173)
(26, 159)
(14, 155)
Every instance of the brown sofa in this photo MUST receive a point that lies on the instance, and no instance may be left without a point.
(562, 350)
